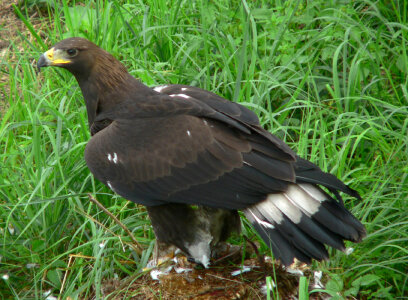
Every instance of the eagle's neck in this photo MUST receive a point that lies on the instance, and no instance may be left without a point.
(105, 85)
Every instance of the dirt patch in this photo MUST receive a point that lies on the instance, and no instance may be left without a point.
(11, 42)
(224, 281)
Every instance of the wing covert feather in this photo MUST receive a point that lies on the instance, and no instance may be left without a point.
(128, 154)
(182, 159)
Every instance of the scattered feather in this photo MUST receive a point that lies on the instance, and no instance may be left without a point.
(182, 270)
(11, 229)
(268, 286)
(294, 271)
(156, 273)
(317, 276)
(349, 250)
(240, 271)
(31, 265)
(47, 293)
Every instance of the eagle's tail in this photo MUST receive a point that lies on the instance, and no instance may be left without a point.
(297, 223)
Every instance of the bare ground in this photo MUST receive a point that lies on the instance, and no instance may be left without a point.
(12, 35)
(216, 283)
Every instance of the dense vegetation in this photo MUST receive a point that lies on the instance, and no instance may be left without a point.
(328, 77)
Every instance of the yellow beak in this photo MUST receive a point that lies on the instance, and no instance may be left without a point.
(51, 58)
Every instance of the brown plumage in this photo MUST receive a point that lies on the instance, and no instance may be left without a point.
(174, 146)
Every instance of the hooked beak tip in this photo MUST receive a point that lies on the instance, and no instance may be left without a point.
(42, 62)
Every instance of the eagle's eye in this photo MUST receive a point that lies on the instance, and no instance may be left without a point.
(72, 52)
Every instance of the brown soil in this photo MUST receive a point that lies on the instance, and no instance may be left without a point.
(217, 282)
(11, 42)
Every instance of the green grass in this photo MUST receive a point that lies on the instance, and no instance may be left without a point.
(328, 77)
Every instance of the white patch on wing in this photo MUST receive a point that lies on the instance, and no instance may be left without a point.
(109, 157)
(314, 192)
(110, 185)
(263, 223)
(282, 202)
(297, 201)
(269, 210)
(188, 133)
(306, 197)
(181, 95)
(115, 158)
(160, 88)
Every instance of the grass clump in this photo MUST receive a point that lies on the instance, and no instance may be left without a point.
(330, 78)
